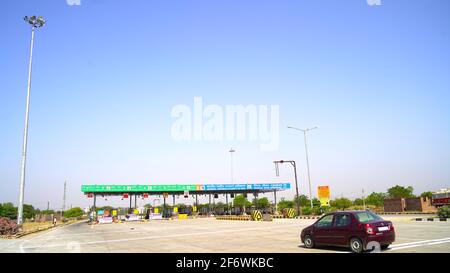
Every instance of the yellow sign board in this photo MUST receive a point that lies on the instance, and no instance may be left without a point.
(194, 208)
(175, 209)
(155, 210)
(324, 195)
(135, 211)
(114, 212)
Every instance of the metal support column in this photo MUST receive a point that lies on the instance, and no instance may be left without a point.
(209, 206)
(228, 207)
(164, 207)
(95, 206)
(275, 197)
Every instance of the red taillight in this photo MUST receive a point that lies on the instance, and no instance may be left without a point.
(369, 229)
(391, 227)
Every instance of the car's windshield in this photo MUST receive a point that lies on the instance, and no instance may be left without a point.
(367, 216)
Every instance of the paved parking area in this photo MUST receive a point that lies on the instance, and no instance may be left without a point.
(210, 235)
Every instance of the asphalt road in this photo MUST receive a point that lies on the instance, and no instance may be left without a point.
(210, 235)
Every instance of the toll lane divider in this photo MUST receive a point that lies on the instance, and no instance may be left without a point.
(296, 217)
(255, 216)
(234, 217)
(431, 219)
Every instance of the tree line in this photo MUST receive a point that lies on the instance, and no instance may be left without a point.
(8, 210)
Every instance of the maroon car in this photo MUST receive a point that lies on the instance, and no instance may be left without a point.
(359, 230)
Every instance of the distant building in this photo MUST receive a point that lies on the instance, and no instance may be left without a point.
(441, 198)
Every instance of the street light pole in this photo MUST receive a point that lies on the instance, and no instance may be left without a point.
(363, 199)
(231, 164)
(35, 22)
(307, 159)
(232, 174)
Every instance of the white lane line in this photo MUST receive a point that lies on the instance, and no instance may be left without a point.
(149, 237)
(419, 245)
(420, 242)
(102, 230)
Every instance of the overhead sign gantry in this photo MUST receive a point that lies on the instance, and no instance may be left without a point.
(180, 189)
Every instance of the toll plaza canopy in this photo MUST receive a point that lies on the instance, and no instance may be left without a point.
(182, 188)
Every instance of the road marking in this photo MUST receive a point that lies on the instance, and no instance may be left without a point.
(149, 237)
(420, 243)
(102, 230)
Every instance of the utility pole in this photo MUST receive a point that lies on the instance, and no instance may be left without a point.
(232, 151)
(36, 22)
(363, 199)
(64, 198)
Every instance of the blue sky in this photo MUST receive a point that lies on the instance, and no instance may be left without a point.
(108, 72)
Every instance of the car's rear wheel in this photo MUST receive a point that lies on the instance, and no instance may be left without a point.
(309, 243)
(356, 245)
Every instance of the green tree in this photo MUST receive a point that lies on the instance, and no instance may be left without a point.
(48, 212)
(376, 199)
(240, 201)
(285, 204)
(427, 194)
(303, 200)
(28, 211)
(400, 192)
(73, 212)
(333, 203)
(9, 211)
(262, 203)
(343, 203)
(316, 202)
(358, 202)
(105, 208)
(220, 205)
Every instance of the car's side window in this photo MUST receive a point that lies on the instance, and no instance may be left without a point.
(326, 221)
(342, 220)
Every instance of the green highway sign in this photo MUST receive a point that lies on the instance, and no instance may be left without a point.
(182, 187)
(136, 188)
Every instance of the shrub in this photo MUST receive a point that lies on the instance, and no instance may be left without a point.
(7, 226)
(444, 212)
(73, 212)
(8, 210)
(306, 211)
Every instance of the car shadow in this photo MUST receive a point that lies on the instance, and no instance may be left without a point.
(332, 248)
(337, 248)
